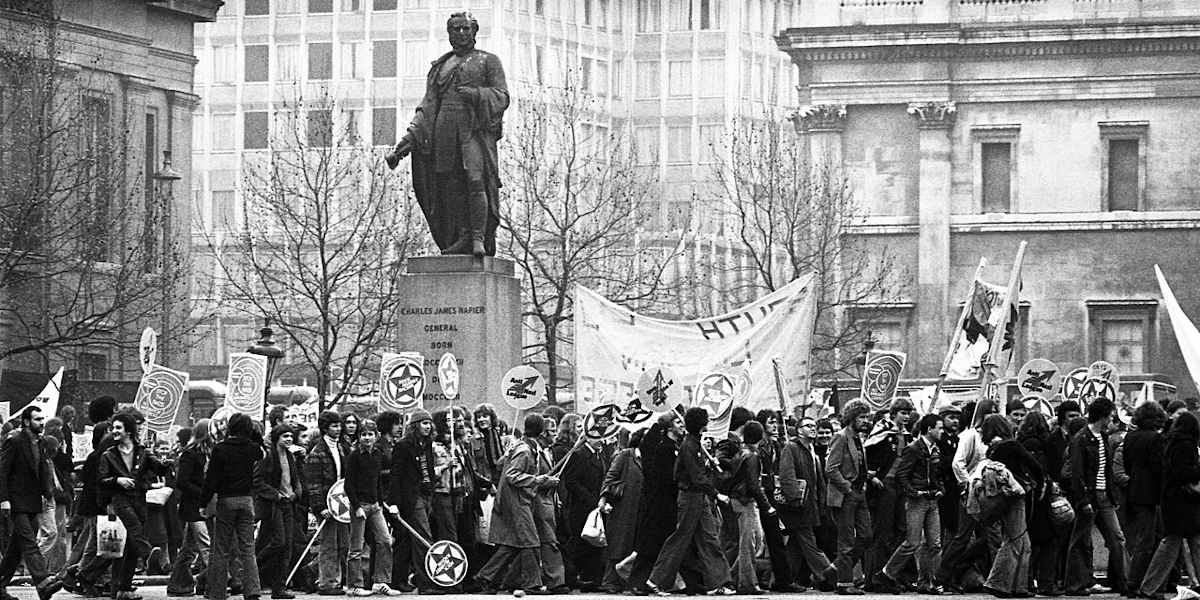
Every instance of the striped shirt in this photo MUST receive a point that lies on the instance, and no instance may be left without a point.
(1102, 463)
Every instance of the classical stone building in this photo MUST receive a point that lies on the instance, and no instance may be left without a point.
(968, 125)
(104, 88)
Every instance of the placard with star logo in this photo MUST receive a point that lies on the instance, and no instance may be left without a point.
(401, 382)
(338, 502)
(446, 563)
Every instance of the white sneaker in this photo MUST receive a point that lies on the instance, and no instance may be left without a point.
(357, 591)
(384, 589)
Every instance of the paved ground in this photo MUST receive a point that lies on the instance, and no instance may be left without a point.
(158, 592)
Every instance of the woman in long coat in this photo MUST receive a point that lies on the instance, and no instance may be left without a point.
(518, 514)
(1180, 503)
(656, 507)
(619, 498)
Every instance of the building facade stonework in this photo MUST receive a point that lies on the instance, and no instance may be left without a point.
(967, 127)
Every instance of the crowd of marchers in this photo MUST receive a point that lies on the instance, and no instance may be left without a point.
(964, 499)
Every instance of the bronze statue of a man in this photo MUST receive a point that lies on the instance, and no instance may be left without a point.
(453, 138)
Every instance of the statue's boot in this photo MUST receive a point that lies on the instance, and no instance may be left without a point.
(460, 246)
(477, 205)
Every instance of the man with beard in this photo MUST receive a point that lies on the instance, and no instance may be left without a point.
(25, 479)
(846, 468)
(453, 140)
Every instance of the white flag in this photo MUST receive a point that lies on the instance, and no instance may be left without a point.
(1185, 332)
(48, 399)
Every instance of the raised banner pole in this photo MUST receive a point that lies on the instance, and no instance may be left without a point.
(997, 341)
(958, 332)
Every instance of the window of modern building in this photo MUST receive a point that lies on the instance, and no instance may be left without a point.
(679, 15)
(320, 61)
(383, 126)
(679, 78)
(257, 7)
(710, 14)
(320, 6)
(996, 165)
(223, 209)
(352, 5)
(616, 16)
(258, 63)
(712, 139)
(1122, 333)
(351, 54)
(223, 132)
(588, 10)
(415, 60)
(679, 144)
(618, 79)
(539, 7)
(383, 5)
(679, 214)
(225, 64)
(539, 64)
(320, 128)
(649, 16)
(383, 58)
(288, 62)
(648, 85)
(645, 144)
(255, 130)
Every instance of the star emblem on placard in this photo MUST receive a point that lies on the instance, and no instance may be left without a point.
(446, 563)
(405, 382)
(601, 421)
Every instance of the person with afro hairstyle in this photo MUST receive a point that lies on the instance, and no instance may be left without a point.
(697, 525)
(102, 409)
(846, 495)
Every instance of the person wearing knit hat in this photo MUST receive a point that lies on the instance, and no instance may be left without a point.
(847, 493)
(883, 447)
(418, 415)
(413, 480)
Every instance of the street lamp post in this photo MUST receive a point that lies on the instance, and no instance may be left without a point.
(164, 192)
(265, 346)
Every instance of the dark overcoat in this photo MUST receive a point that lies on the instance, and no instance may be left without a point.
(516, 511)
(623, 490)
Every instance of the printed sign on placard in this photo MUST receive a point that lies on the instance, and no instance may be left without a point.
(1039, 376)
(338, 502)
(1095, 388)
(881, 376)
(247, 384)
(401, 382)
(448, 376)
(600, 423)
(159, 396)
(1073, 382)
(446, 563)
(659, 388)
(523, 387)
(148, 349)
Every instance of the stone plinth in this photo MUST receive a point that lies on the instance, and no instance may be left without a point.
(470, 307)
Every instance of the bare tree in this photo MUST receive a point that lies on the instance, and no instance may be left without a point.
(573, 195)
(87, 253)
(322, 243)
(794, 217)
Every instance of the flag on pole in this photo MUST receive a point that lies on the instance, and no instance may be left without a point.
(48, 399)
(979, 324)
(1185, 332)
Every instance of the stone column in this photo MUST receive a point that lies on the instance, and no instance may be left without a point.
(933, 314)
(824, 124)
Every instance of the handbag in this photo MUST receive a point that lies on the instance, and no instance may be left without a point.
(593, 529)
(110, 537)
(159, 495)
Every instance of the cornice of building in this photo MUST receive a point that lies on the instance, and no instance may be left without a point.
(954, 40)
(1038, 222)
(199, 11)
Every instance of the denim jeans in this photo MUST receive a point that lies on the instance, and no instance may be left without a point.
(132, 513)
(1010, 571)
(234, 538)
(1165, 558)
(84, 537)
(1079, 557)
(334, 544)
(750, 542)
(274, 544)
(420, 519)
(194, 552)
(854, 534)
(924, 532)
(374, 520)
(1143, 535)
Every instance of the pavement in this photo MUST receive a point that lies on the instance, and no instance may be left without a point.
(159, 592)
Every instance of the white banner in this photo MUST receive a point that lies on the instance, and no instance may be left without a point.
(614, 345)
(48, 399)
(1185, 332)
